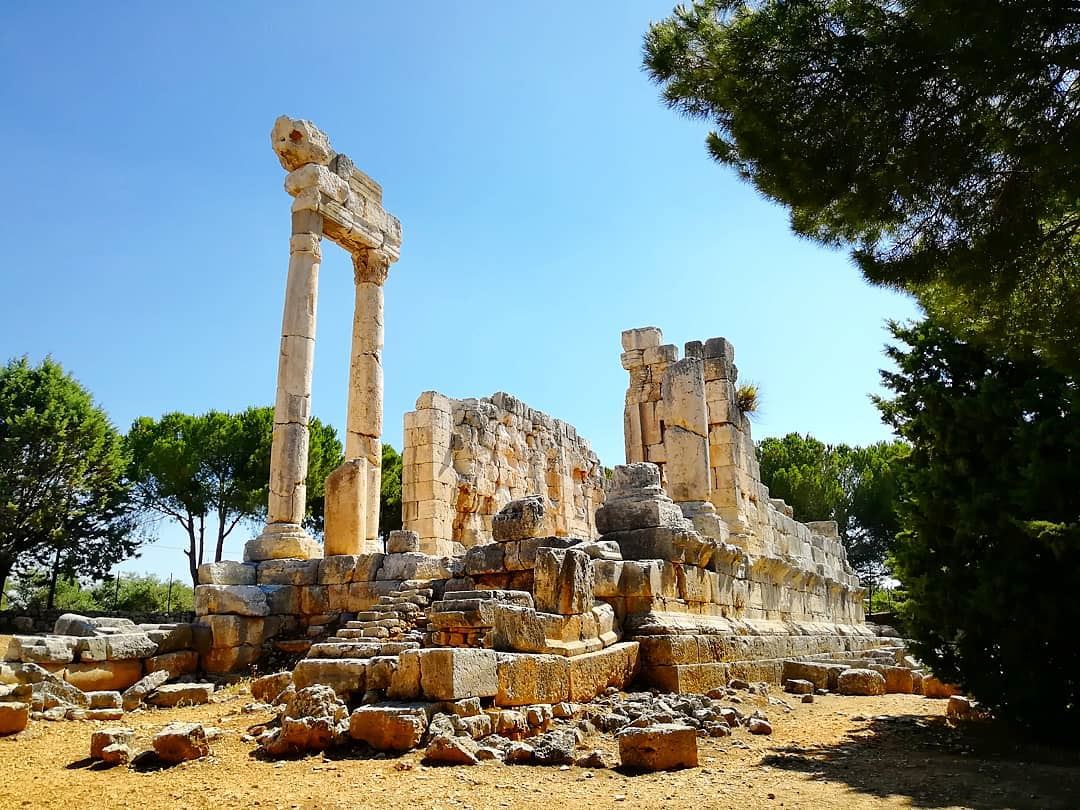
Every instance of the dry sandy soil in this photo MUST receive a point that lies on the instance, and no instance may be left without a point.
(892, 751)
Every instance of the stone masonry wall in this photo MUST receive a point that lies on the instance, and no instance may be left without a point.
(761, 525)
(466, 459)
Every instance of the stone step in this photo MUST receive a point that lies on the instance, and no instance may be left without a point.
(345, 648)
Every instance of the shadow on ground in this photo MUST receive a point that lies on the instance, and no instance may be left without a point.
(978, 765)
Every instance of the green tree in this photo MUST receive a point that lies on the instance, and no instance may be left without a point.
(64, 501)
(855, 486)
(215, 467)
(935, 139)
(990, 552)
(390, 491)
(143, 593)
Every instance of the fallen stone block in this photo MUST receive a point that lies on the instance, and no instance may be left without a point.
(934, 688)
(13, 717)
(116, 735)
(388, 728)
(554, 748)
(130, 645)
(401, 542)
(313, 719)
(105, 700)
(180, 742)
(445, 749)
(898, 681)
(268, 687)
(796, 686)
(134, 695)
(659, 747)
(181, 694)
(116, 755)
(863, 682)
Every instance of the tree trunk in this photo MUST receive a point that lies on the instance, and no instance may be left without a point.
(193, 565)
(5, 572)
(52, 580)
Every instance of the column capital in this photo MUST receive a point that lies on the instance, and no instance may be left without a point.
(371, 266)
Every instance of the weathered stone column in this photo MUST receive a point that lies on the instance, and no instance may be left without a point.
(284, 535)
(352, 490)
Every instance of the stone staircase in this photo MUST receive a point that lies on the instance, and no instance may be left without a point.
(371, 642)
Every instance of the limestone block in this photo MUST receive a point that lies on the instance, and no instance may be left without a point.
(93, 649)
(233, 631)
(280, 600)
(388, 728)
(104, 675)
(72, 624)
(242, 600)
(646, 337)
(414, 565)
(861, 682)
(606, 577)
(405, 679)
(130, 645)
(563, 581)
(219, 660)
(226, 572)
(454, 673)
(346, 507)
(314, 600)
(660, 747)
(517, 628)
(662, 543)
(592, 673)
(288, 572)
(898, 681)
(181, 694)
(13, 717)
(47, 649)
(526, 679)
(133, 696)
(401, 541)
(533, 516)
(105, 699)
(337, 570)
(661, 355)
(638, 513)
(180, 662)
(179, 742)
(367, 567)
(169, 637)
(485, 559)
(110, 736)
(361, 596)
(934, 688)
(298, 142)
(347, 676)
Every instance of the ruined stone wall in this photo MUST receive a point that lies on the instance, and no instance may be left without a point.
(761, 525)
(466, 459)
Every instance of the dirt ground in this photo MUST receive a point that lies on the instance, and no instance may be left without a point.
(892, 751)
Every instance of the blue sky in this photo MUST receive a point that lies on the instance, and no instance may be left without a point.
(548, 200)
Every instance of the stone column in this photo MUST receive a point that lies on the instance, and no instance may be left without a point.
(284, 535)
(352, 490)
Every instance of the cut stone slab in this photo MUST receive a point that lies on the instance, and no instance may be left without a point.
(72, 624)
(563, 581)
(180, 742)
(346, 676)
(227, 572)
(401, 541)
(181, 694)
(448, 750)
(388, 728)
(454, 673)
(104, 675)
(660, 747)
(137, 692)
(268, 687)
(242, 600)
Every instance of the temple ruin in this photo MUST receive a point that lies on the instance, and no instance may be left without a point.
(525, 574)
